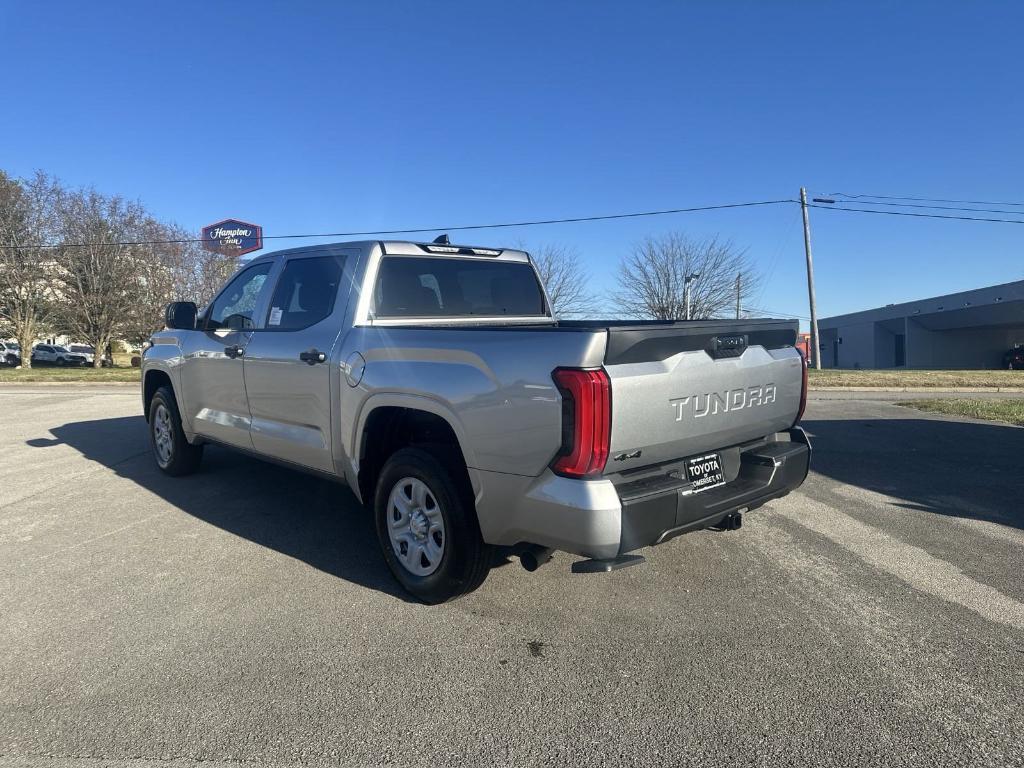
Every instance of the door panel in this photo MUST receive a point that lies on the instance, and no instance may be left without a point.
(213, 387)
(212, 373)
(289, 400)
(289, 397)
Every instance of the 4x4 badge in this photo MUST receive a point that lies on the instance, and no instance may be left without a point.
(631, 455)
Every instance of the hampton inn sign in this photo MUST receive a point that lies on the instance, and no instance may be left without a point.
(232, 237)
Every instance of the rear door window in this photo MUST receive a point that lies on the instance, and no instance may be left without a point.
(455, 287)
(305, 293)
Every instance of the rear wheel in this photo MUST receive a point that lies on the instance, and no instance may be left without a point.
(427, 527)
(172, 451)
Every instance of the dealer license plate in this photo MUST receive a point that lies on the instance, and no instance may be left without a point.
(705, 472)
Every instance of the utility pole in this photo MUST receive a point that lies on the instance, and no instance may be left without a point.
(686, 290)
(739, 275)
(815, 349)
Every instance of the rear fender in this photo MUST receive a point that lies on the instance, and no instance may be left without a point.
(354, 439)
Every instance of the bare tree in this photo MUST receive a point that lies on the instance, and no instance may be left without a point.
(154, 282)
(102, 274)
(176, 269)
(201, 273)
(27, 225)
(98, 268)
(565, 279)
(652, 278)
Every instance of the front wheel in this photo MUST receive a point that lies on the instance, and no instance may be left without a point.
(172, 451)
(427, 527)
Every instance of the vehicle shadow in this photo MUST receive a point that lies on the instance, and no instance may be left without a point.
(940, 466)
(311, 519)
(935, 466)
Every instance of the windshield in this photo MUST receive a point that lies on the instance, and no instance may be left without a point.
(81, 348)
(454, 287)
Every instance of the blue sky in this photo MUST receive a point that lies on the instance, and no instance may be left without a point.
(311, 117)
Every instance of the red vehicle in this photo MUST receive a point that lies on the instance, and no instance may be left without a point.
(803, 343)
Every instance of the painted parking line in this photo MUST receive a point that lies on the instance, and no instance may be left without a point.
(912, 565)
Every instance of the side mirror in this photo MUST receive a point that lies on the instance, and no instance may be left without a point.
(181, 315)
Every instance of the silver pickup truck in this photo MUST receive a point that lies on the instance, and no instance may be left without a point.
(435, 381)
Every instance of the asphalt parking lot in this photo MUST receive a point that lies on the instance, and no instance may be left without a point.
(244, 616)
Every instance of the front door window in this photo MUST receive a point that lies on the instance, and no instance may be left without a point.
(234, 308)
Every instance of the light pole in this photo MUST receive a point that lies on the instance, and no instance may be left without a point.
(686, 290)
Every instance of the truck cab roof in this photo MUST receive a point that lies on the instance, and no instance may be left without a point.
(403, 248)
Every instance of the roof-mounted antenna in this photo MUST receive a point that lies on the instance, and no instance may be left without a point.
(442, 240)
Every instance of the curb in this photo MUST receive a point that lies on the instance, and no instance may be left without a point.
(951, 390)
(83, 384)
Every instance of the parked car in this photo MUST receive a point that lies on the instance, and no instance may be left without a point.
(88, 352)
(434, 380)
(1014, 359)
(10, 353)
(55, 355)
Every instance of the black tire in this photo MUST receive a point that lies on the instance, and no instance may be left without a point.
(466, 559)
(183, 458)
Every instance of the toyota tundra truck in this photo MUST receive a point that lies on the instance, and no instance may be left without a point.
(436, 382)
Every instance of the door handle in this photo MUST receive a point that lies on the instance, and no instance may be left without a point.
(312, 357)
(234, 351)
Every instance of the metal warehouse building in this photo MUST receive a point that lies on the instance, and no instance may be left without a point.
(973, 329)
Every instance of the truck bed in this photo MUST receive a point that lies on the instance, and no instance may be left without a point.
(681, 388)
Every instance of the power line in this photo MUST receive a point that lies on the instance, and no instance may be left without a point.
(770, 272)
(934, 207)
(916, 215)
(420, 230)
(585, 219)
(924, 199)
(773, 312)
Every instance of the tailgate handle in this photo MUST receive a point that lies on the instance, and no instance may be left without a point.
(727, 345)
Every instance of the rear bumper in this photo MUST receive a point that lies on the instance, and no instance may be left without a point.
(597, 519)
(766, 472)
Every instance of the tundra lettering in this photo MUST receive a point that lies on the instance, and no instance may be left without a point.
(722, 402)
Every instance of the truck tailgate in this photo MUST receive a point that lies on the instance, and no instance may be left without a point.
(685, 389)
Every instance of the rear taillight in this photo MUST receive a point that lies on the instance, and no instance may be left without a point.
(586, 421)
(803, 388)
